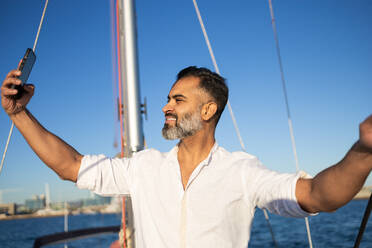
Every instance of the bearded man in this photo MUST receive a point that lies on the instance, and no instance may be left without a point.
(198, 194)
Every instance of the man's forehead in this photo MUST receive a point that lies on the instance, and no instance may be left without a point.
(187, 82)
(185, 85)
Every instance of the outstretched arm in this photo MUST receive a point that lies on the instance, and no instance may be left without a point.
(53, 151)
(338, 184)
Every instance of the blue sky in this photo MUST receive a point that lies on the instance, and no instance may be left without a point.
(326, 48)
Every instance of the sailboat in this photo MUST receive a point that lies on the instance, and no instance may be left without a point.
(249, 84)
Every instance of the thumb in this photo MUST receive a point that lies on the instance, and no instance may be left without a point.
(30, 88)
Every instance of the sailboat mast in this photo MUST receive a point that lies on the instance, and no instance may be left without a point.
(133, 132)
(133, 140)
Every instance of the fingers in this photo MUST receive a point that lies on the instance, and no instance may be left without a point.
(12, 78)
(7, 88)
(14, 73)
(29, 90)
(8, 92)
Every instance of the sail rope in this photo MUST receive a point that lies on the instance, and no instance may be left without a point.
(122, 233)
(363, 224)
(33, 49)
(40, 25)
(218, 72)
(287, 107)
(6, 146)
(228, 104)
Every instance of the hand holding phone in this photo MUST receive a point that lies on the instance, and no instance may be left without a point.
(25, 67)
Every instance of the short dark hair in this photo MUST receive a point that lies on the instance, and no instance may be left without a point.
(210, 82)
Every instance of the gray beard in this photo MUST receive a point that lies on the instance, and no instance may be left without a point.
(188, 126)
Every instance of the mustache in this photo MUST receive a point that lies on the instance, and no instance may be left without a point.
(171, 115)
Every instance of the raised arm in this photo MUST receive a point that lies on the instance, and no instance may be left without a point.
(53, 151)
(338, 184)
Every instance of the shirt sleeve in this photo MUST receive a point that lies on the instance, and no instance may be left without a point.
(105, 176)
(274, 191)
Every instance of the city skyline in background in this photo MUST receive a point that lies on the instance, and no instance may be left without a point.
(326, 47)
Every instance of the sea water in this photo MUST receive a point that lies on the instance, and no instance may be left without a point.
(329, 230)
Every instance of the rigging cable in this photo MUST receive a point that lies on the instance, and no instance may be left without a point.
(119, 80)
(33, 49)
(287, 108)
(364, 223)
(218, 72)
(123, 217)
(228, 104)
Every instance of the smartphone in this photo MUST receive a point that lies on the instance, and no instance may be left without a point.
(25, 67)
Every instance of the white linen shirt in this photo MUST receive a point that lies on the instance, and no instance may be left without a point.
(216, 208)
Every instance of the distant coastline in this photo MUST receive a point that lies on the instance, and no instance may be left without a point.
(47, 213)
(364, 193)
(36, 216)
(27, 216)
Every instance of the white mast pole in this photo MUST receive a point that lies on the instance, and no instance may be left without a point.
(132, 124)
(133, 134)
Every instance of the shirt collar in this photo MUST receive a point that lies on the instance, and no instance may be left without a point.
(172, 154)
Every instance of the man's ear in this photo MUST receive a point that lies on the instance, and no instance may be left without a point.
(208, 111)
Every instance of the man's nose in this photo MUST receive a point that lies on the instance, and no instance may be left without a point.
(167, 108)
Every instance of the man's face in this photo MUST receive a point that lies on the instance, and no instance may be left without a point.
(182, 112)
